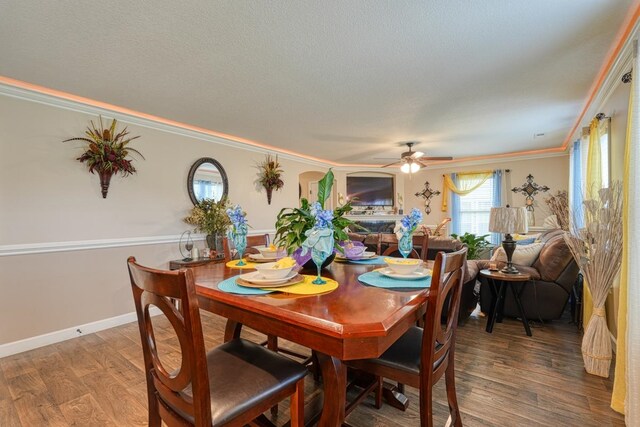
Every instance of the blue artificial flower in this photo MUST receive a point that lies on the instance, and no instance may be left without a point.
(411, 221)
(237, 218)
(324, 218)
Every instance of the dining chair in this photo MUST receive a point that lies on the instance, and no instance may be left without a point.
(392, 245)
(422, 356)
(231, 385)
(256, 240)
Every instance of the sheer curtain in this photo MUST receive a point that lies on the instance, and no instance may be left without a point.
(577, 181)
(496, 238)
(466, 183)
(455, 208)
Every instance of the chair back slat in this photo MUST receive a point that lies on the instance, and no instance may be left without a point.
(161, 289)
(445, 291)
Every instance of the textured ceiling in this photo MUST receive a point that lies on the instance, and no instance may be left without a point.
(338, 80)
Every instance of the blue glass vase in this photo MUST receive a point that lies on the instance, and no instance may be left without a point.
(239, 239)
(318, 258)
(405, 245)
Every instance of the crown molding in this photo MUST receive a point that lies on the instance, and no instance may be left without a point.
(134, 118)
(83, 245)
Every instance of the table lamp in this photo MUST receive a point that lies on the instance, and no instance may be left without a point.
(507, 221)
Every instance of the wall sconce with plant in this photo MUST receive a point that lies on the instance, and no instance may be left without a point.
(270, 175)
(107, 152)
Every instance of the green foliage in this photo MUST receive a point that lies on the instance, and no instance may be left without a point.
(209, 216)
(292, 223)
(474, 243)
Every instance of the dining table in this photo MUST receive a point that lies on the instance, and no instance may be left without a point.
(354, 321)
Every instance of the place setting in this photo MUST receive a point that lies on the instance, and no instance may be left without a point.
(356, 253)
(399, 273)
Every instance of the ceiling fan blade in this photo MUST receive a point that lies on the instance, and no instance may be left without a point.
(436, 158)
(417, 154)
(390, 164)
(386, 158)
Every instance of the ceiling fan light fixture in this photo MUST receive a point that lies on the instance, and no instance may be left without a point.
(406, 168)
(414, 167)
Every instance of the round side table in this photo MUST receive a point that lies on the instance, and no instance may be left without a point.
(499, 282)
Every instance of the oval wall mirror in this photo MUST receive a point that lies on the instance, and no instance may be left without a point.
(207, 180)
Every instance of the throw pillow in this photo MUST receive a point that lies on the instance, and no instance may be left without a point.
(524, 255)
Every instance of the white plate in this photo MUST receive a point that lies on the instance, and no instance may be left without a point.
(420, 273)
(256, 277)
(261, 258)
(365, 255)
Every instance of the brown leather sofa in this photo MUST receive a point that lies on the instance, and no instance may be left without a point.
(553, 276)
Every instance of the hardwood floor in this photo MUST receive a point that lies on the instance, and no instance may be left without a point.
(503, 379)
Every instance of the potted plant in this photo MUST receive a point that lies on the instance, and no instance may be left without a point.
(107, 152)
(210, 217)
(476, 245)
(293, 223)
(270, 176)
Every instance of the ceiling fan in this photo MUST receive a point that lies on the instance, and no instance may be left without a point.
(412, 161)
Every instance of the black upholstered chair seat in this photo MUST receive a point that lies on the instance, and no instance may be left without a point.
(242, 374)
(404, 354)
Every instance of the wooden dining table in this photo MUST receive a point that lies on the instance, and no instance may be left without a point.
(355, 321)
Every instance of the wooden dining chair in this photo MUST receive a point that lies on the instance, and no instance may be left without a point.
(257, 240)
(392, 246)
(422, 356)
(231, 385)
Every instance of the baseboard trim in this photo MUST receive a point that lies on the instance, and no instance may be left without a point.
(27, 344)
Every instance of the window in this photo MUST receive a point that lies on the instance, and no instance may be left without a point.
(475, 208)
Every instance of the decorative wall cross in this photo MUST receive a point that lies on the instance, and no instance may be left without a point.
(530, 189)
(427, 194)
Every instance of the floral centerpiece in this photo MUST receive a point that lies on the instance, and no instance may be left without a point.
(270, 175)
(209, 217)
(293, 223)
(404, 231)
(107, 152)
(319, 238)
(238, 230)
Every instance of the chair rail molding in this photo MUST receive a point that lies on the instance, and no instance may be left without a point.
(82, 245)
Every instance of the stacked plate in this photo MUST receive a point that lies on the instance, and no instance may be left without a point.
(418, 274)
(255, 279)
(365, 255)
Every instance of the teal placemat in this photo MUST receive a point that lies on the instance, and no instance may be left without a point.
(373, 278)
(229, 285)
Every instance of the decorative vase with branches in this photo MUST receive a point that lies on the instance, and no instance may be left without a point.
(107, 152)
(595, 242)
(270, 176)
(559, 206)
(210, 217)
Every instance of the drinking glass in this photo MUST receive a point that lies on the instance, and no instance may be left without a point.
(240, 242)
(405, 245)
(318, 258)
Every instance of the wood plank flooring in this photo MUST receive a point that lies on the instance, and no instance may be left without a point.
(503, 379)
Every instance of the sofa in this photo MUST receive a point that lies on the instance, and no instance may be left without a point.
(553, 274)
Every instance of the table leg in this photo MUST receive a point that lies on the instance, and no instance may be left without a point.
(516, 296)
(501, 298)
(496, 305)
(232, 330)
(334, 384)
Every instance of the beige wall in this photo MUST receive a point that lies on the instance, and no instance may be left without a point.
(551, 171)
(46, 197)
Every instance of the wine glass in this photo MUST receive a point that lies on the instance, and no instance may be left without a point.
(318, 258)
(405, 245)
(240, 242)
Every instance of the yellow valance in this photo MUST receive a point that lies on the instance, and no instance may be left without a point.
(467, 182)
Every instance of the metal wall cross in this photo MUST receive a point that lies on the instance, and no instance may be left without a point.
(427, 194)
(530, 189)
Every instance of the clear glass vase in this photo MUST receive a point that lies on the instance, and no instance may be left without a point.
(405, 244)
(318, 258)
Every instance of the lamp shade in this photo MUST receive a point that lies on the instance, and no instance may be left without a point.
(508, 220)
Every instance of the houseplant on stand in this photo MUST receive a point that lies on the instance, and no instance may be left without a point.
(210, 217)
(293, 223)
(107, 152)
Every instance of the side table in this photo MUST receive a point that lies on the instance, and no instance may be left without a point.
(498, 282)
(179, 263)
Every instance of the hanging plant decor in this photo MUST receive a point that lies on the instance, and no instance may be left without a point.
(270, 175)
(107, 152)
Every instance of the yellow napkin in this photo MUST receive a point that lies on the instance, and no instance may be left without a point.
(306, 287)
(234, 264)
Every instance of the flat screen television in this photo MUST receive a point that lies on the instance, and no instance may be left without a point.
(370, 191)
